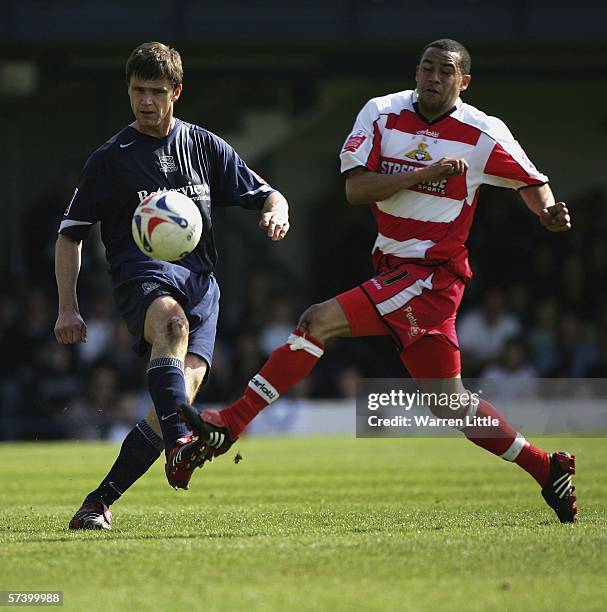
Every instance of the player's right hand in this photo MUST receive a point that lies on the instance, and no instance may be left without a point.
(70, 328)
(447, 166)
(556, 218)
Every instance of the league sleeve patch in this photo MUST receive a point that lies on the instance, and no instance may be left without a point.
(354, 142)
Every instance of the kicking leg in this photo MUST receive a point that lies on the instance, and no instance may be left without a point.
(285, 367)
(348, 314)
(139, 450)
(288, 364)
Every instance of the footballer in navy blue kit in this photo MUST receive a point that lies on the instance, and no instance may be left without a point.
(122, 173)
(170, 308)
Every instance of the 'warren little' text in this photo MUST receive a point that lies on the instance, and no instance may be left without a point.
(429, 421)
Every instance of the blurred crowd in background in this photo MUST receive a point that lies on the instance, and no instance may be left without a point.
(534, 309)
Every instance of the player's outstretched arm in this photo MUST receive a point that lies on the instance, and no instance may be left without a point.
(69, 328)
(364, 186)
(275, 216)
(554, 216)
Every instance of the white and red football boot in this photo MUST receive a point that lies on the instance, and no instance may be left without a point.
(92, 515)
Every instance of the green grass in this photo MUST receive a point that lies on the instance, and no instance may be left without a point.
(308, 524)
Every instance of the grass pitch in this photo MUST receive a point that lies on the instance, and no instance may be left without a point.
(308, 524)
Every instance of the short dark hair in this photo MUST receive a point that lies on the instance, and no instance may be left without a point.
(447, 44)
(155, 61)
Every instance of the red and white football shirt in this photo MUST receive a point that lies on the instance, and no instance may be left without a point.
(432, 220)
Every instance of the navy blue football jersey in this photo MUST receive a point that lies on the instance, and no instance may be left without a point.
(131, 165)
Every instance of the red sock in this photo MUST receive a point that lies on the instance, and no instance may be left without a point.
(285, 367)
(496, 440)
(535, 461)
(503, 441)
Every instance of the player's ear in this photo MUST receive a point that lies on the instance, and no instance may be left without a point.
(177, 92)
(465, 82)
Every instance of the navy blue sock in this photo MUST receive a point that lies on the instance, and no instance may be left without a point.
(166, 382)
(139, 450)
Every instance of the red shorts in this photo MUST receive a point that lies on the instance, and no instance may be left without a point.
(417, 305)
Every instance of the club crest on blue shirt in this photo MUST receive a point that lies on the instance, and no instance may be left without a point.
(167, 163)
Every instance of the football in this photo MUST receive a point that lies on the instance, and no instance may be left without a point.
(167, 225)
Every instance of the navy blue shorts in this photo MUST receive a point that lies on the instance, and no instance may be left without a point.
(197, 294)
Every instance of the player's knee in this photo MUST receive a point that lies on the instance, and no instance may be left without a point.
(454, 404)
(446, 398)
(316, 321)
(176, 328)
(453, 411)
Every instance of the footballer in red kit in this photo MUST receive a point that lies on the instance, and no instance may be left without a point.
(418, 158)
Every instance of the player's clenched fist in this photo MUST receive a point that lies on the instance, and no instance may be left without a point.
(70, 328)
(445, 167)
(556, 218)
(452, 166)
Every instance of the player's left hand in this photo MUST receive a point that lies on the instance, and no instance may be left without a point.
(556, 218)
(276, 224)
(275, 216)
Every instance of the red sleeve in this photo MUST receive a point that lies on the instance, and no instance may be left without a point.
(502, 165)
